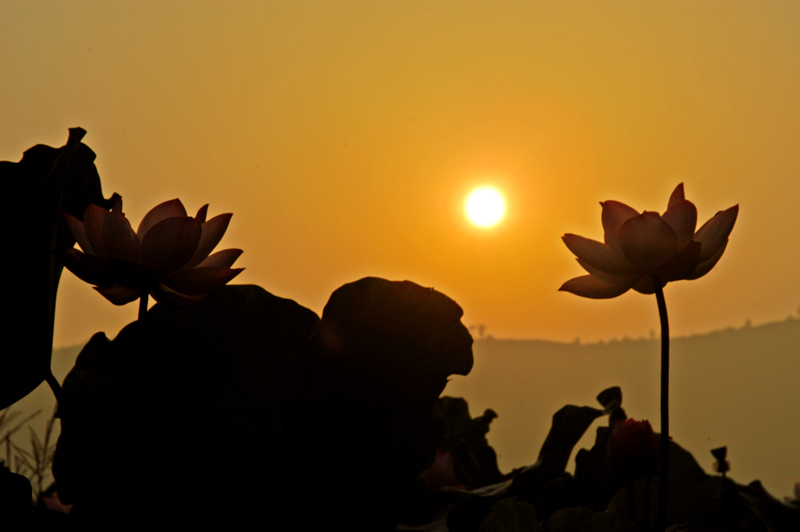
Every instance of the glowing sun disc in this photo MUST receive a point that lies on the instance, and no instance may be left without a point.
(485, 207)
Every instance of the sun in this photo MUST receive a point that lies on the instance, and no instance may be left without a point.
(485, 207)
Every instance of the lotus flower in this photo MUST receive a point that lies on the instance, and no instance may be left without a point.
(168, 256)
(643, 249)
(633, 448)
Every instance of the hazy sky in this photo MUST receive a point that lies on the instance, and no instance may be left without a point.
(345, 135)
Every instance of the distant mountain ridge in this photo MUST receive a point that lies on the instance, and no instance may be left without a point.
(736, 387)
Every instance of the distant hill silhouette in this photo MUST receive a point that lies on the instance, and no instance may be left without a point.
(735, 387)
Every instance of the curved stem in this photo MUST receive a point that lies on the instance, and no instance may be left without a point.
(143, 303)
(54, 385)
(663, 477)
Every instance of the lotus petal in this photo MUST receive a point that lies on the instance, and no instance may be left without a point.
(212, 232)
(119, 295)
(646, 285)
(199, 281)
(202, 212)
(682, 265)
(78, 232)
(224, 258)
(133, 275)
(613, 216)
(592, 287)
(676, 196)
(164, 295)
(169, 244)
(608, 278)
(705, 266)
(714, 233)
(162, 211)
(110, 234)
(85, 267)
(598, 255)
(648, 241)
(682, 217)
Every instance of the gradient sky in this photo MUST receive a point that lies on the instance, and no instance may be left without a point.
(344, 137)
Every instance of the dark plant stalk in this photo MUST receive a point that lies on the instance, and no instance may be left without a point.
(143, 303)
(632, 499)
(663, 476)
(648, 485)
(54, 385)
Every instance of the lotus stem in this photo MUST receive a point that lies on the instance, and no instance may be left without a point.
(143, 303)
(54, 385)
(663, 477)
(648, 485)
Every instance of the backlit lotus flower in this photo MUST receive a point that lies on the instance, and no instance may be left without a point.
(642, 249)
(168, 256)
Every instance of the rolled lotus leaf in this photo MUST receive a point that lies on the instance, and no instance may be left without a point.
(39, 187)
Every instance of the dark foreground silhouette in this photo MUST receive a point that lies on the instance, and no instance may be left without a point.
(248, 406)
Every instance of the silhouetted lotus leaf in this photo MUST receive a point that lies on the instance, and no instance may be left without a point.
(510, 515)
(569, 425)
(240, 402)
(44, 183)
(182, 405)
(528, 484)
(777, 515)
(708, 503)
(685, 478)
(610, 397)
(474, 461)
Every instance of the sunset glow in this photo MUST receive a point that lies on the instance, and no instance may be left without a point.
(345, 138)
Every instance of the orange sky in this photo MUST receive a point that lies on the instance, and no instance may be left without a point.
(344, 136)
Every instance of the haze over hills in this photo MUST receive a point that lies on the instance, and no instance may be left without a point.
(718, 395)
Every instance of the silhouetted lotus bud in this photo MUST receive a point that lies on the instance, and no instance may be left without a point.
(633, 449)
(721, 466)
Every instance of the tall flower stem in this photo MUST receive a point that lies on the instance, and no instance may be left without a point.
(663, 477)
(143, 303)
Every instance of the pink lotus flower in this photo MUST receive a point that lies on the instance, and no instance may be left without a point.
(641, 249)
(168, 256)
(442, 472)
(633, 449)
